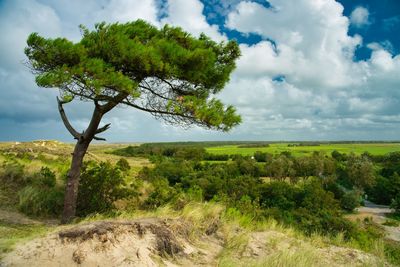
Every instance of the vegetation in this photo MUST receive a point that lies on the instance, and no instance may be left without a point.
(100, 186)
(325, 147)
(309, 195)
(165, 72)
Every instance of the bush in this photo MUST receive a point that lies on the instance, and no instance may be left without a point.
(41, 197)
(37, 201)
(350, 201)
(161, 194)
(45, 177)
(99, 187)
(123, 165)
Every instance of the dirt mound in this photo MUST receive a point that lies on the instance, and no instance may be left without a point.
(144, 242)
(167, 242)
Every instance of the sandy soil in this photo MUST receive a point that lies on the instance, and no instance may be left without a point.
(378, 214)
(153, 242)
(145, 242)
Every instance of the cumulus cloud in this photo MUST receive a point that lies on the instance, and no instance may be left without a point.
(189, 15)
(325, 91)
(310, 41)
(322, 92)
(359, 17)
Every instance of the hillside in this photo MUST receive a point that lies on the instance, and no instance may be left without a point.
(159, 222)
(196, 237)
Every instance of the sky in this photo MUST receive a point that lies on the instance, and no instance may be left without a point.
(309, 70)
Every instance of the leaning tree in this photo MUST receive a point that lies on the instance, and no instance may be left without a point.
(166, 72)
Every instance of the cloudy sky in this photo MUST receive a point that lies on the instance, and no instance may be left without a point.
(309, 70)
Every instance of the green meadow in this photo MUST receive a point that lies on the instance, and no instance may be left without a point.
(276, 148)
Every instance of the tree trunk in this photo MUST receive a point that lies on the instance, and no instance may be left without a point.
(84, 139)
(71, 188)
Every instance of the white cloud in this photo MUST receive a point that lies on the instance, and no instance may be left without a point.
(18, 19)
(323, 85)
(311, 40)
(324, 94)
(359, 17)
(189, 15)
(129, 10)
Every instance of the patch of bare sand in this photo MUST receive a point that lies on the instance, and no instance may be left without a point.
(143, 242)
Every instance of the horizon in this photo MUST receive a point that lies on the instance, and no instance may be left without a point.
(215, 141)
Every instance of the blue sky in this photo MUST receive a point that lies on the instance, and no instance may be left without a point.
(309, 70)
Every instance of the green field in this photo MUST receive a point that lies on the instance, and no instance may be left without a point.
(373, 148)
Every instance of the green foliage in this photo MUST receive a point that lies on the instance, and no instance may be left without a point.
(396, 204)
(350, 200)
(44, 178)
(171, 151)
(177, 71)
(101, 184)
(162, 194)
(123, 165)
(41, 201)
(307, 205)
(390, 222)
(360, 172)
(392, 252)
(41, 197)
(12, 173)
(383, 191)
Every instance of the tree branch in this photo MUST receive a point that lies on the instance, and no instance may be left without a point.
(99, 138)
(153, 92)
(154, 111)
(113, 102)
(64, 118)
(104, 128)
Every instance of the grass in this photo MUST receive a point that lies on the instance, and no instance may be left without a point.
(11, 234)
(394, 216)
(284, 246)
(390, 222)
(373, 148)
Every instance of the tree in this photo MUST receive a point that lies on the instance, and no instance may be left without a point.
(166, 72)
(360, 172)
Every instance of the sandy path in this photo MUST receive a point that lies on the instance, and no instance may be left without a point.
(378, 213)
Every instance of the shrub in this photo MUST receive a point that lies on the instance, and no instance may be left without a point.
(162, 194)
(350, 200)
(99, 187)
(41, 197)
(123, 165)
(45, 177)
(37, 201)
